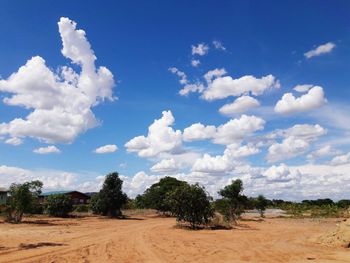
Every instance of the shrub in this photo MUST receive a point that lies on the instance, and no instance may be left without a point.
(59, 205)
(81, 208)
(21, 199)
(154, 197)
(233, 203)
(260, 203)
(110, 199)
(190, 203)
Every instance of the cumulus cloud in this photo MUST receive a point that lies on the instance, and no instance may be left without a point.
(198, 131)
(320, 50)
(221, 86)
(109, 148)
(341, 159)
(289, 148)
(60, 102)
(326, 150)
(281, 173)
(218, 45)
(161, 138)
(47, 150)
(165, 166)
(289, 104)
(241, 104)
(195, 63)
(200, 49)
(303, 88)
(188, 87)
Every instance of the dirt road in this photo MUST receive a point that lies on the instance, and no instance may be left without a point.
(154, 239)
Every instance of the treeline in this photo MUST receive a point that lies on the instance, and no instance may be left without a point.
(189, 203)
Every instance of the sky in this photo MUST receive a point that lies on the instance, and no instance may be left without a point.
(204, 91)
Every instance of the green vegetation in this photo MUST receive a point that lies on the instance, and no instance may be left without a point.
(154, 197)
(260, 203)
(22, 199)
(110, 199)
(190, 203)
(59, 205)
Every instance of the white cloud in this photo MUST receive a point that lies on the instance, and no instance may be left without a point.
(218, 45)
(165, 166)
(241, 104)
(198, 131)
(47, 150)
(109, 148)
(281, 173)
(236, 129)
(14, 141)
(225, 86)
(303, 88)
(304, 131)
(322, 49)
(187, 86)
(201, 49)
(341, 159)
(323, 151)
(289, 148)
(161, 138)
(195, 63)
(311, 100)
(60, 103)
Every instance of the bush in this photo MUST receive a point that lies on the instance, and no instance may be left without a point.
(59, 205)
(81, 208)
(111, 198)
(21, 199)
(190, 203)
(154, 197)
(233, 203)
(260, 203)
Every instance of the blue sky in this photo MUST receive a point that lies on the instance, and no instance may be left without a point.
(138, 42)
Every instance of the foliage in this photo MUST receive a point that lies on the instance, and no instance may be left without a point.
(21, 199)
(130, 204)
(154, 197)
(81, 208)
(190, 203)
(110, 199)
(233, 203)
(344, 203)
(260, 203)
(59, 205)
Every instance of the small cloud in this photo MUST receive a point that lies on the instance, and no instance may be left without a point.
(322, 49)
(195, 63)
(218, 45)
(47, 150)
(303, 88)
(14, 141)
(201, 49)
(109, 148)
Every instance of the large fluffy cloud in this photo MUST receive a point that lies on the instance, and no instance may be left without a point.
(311, 100)
(161, 138)
(60, 103)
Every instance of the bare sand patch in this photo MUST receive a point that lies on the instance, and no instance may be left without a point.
(148, 238)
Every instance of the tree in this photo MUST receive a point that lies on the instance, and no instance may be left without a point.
(190, 203)
(111, 198)
(21, 199)
(233, 203)
(154, 197)
(59, 205)
(260, 204)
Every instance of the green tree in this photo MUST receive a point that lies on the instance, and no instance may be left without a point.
(190, 203)
(21, 199)
(260, 204)
(233, 203)
(59, 205)
(154, 197)
(110, 199)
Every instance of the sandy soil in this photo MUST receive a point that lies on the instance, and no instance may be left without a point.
(154, 239)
